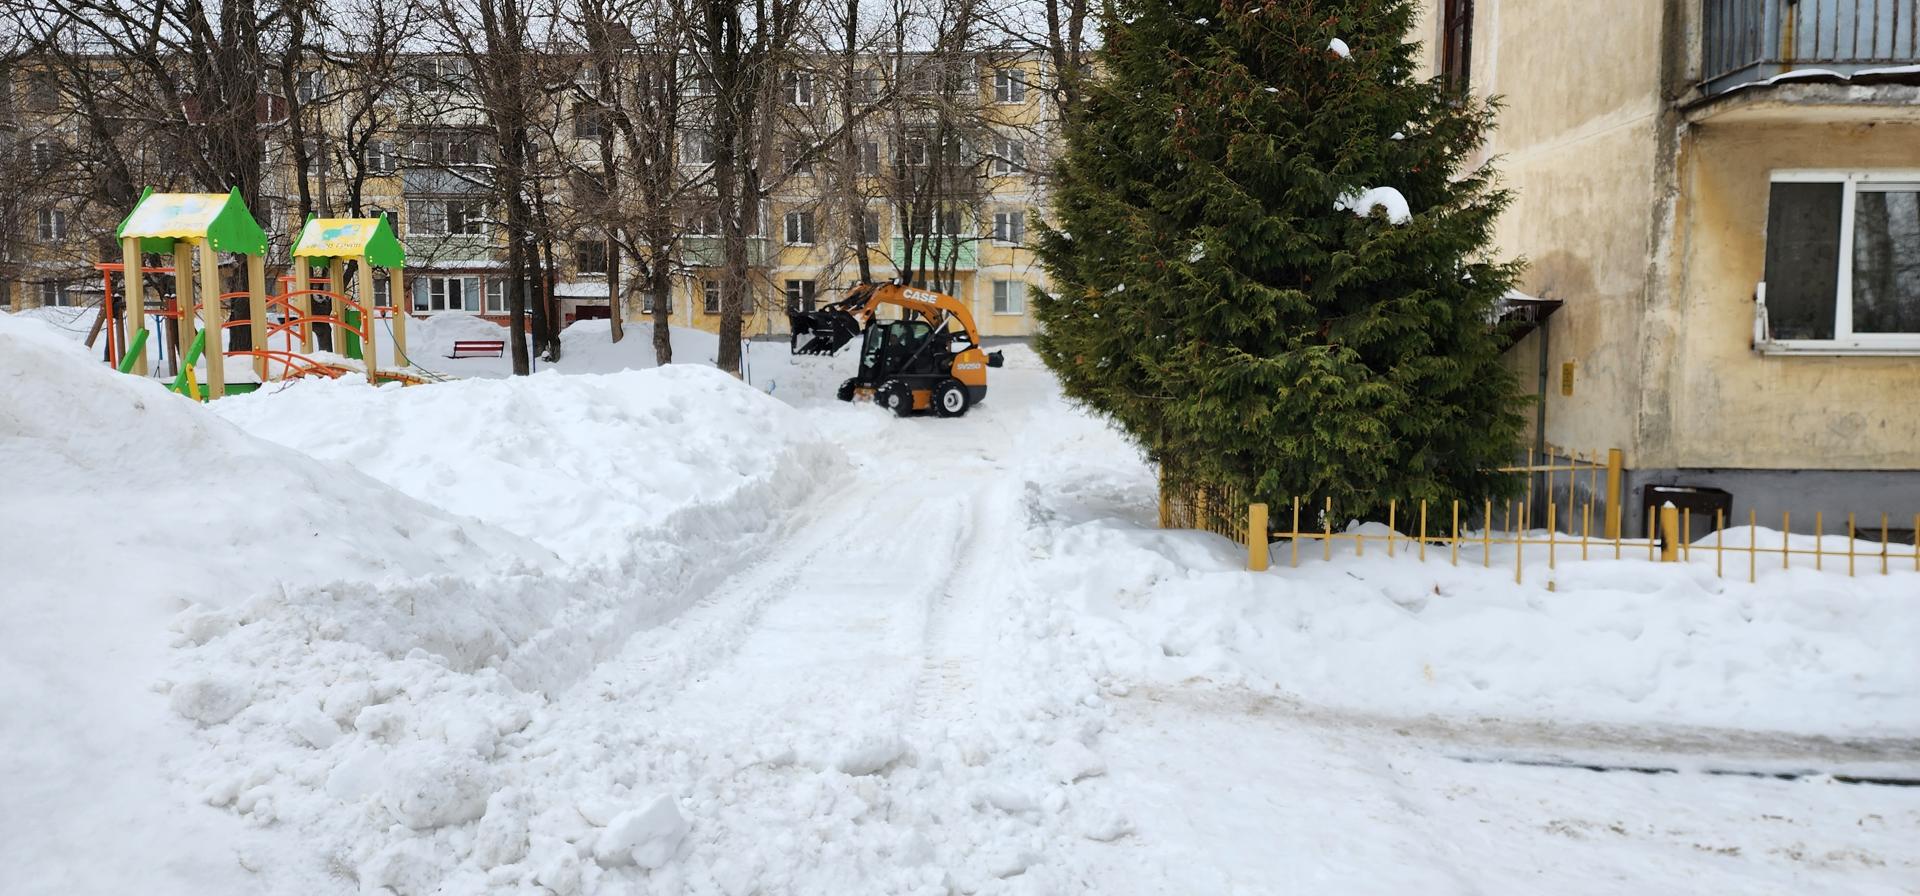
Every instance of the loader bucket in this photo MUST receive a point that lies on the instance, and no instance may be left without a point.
(821, 332)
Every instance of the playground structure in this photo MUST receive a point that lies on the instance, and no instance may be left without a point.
(186, 225)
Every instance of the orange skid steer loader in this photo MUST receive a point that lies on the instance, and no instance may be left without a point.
(928, 359)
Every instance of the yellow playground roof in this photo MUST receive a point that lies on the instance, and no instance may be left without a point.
(161, 219)
(368, 238)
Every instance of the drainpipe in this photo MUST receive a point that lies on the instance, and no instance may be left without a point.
(1540, 406)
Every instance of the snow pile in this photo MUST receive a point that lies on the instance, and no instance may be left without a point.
(1626, 641)
(1386, 199)
(129, 504)
(354, 662)
(567, 461)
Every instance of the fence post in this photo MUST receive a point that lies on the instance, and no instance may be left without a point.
(1669, 533)
(1615, 462)
(1257, 537)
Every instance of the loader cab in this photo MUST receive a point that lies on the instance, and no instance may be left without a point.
(894, 347)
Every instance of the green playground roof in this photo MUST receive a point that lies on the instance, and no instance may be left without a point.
(371, 239)
(159, 220)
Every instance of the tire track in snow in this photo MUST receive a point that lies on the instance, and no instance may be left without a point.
(659, 662)
(949, 680)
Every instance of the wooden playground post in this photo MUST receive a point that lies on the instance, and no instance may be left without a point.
(183, 298)
(368, 312)
(303, 303)
(213, 321)
(337, 284)
(397, 299)
(135, 285)
(257, 312)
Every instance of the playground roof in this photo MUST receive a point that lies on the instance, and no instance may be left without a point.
(368, 238)
(161, 219)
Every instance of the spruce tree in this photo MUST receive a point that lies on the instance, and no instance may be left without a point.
(1225, 288)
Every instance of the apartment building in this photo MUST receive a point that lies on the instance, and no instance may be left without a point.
(419, 152)
(1719, 201)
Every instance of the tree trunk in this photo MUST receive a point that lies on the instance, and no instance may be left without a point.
(615, 311)
(661, 283)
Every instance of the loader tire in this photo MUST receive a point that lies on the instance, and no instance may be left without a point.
(950, 398)
(895, 396)
(846, 390)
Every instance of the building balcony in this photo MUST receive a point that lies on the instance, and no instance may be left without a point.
(938, 254)
(1743, 41)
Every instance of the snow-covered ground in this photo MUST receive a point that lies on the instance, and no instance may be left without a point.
(656, 631)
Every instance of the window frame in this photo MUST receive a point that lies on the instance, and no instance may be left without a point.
(1845, 341)
(710, 299)
(1007, 298)
(52, 224)
(801, 294)
(802, 217)
(798, 87)
(1010, 86)
(1009, 156)
(1005, 233)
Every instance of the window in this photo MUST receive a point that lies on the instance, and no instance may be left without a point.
(872, 84)
(1010, 227)
(1456, 44)
(587, 121)
(54, 294)
(798, 87)
(446, 217)
(43, 92)
(915, 152)
(310, 148)
(800, 228)
(870, 226)
(383, 292)
(799, 158)
(590, 257)
(703, 224)
(53, 224)
(446, 294)
(307, 86)
(496, 296)
(1009, 156)
(697, 82)
(1007, 296)
(648, 298)
(1842, 263)
(710, 290)
(43, 153)
(868, 162)
(379, 160)
(1010, 85)
(696, 148)
(800, 295)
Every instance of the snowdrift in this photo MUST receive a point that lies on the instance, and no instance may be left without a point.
(1624, 642)
(360, 626)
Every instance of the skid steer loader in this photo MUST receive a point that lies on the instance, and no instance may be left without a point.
(928, 359)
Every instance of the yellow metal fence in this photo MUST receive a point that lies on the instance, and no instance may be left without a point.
(1570, 527)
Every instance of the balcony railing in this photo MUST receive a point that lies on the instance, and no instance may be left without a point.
(937, 253)
(1752, 40)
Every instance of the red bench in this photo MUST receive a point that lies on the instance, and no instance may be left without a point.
(474, 348)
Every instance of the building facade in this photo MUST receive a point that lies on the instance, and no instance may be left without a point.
(954, 169)
(1724, 198)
